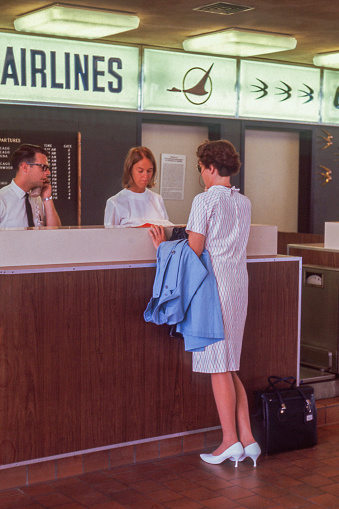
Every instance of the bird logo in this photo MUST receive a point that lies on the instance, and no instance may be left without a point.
(196, 85)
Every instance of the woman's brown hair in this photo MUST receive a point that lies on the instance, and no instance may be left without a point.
(135, 155)
(222, 154)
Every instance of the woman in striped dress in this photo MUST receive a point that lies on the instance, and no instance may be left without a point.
(220, 222)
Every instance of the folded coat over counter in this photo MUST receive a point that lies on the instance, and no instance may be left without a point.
(185, 293)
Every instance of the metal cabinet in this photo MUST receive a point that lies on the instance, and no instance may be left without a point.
(319, 318)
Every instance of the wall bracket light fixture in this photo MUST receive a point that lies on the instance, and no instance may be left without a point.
(239, 42)
(72, 21)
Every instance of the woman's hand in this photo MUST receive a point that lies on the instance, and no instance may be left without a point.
(157, 234)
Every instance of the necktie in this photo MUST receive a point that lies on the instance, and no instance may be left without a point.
(29, 211)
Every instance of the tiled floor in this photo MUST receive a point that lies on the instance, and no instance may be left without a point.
(305, 478)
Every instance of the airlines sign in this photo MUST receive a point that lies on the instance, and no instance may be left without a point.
(48, 70)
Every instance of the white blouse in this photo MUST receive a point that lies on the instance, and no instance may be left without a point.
(135, 209)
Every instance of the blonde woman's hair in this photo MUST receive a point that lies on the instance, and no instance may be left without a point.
(135, 155)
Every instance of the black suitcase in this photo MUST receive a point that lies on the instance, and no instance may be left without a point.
(284, 419)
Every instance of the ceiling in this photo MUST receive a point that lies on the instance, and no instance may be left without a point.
(166, 23)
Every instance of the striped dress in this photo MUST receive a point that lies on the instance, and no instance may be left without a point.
(223, 216)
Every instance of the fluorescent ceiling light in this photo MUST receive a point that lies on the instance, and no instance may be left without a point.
(327, 60)
(240, 43)
(71, 21)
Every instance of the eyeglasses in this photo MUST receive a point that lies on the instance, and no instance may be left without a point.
(44, 167)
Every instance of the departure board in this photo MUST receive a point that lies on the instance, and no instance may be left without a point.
(62, 149)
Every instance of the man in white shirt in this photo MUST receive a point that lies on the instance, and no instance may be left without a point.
(27, 200)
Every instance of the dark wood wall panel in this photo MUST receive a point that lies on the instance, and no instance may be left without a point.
(270, 339)
(317, 257)
(81, 369)
(285, 238)
(324, 198)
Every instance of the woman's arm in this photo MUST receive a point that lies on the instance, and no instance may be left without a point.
(196, 242)
(111, 216)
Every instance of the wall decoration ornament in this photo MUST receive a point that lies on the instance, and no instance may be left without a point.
(328, 139)
(325, 175)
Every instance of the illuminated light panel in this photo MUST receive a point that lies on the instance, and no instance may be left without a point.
(80, 22)
(327, 60)
(240, 43)
(330, 102)
(189, 83)
(279, 91)
(48, 70)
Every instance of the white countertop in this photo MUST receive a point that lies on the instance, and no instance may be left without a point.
(37, 247)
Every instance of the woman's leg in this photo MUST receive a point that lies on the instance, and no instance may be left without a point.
(225, 398)
(242, 412)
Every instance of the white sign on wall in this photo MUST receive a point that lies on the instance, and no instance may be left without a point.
(48, 70)
(172, 176)
(189, 83)
(279, 91)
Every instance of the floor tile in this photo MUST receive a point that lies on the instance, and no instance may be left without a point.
(268, 491)
(108, 505)
(215, 483)
(284, 481)
(184, 503)
(235, 492)
(164, 495)
(52, 499)
(248, 482)
(327, 500)
(71, 505)
(221, 503)
(307, 479)
(13, 477)
(146, 486)
(41, 472)
(200, 494)
(316, 480)
(255, 502)
(180, 485)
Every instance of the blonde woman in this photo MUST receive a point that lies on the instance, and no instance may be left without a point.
(136, 204)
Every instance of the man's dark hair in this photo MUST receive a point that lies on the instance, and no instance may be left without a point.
(26, 153)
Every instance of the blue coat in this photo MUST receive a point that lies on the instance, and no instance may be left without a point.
(185, 293)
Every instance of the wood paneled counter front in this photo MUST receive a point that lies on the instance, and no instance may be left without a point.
(81, 370)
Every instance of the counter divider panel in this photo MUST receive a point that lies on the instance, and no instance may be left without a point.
(81, 369)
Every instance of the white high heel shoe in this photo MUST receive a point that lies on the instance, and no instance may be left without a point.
(252, 451)
(235, 452)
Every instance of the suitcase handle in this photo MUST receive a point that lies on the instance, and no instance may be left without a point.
(273, 380)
